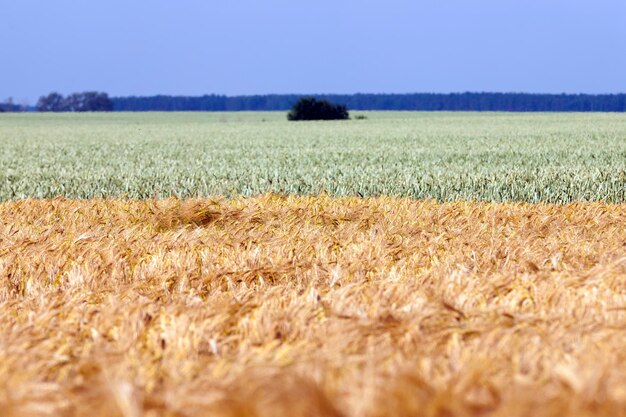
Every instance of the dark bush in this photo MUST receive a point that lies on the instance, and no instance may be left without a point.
(309, 108)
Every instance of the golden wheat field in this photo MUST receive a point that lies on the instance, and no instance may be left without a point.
(311, 306)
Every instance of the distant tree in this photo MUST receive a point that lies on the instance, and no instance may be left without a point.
(51, 102)
(74, 102)
(309, 108)
(77, 102)
(88, 101)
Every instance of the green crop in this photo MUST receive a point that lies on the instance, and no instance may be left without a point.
(444, 156)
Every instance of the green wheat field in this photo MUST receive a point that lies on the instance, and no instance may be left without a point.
(556, 158)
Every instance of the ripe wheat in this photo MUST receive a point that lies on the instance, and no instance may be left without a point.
(311, 306)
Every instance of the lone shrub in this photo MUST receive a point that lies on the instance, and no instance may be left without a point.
(309, 108)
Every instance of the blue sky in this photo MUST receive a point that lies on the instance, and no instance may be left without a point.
(194, 47)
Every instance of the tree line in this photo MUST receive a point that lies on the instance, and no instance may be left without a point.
(513, 102)
(9, 106)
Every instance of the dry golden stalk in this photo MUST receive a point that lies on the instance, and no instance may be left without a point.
(311, 306)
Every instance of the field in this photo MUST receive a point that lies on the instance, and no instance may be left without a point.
(445, 156)
(403, 265)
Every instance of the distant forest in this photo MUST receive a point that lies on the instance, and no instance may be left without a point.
(508, 102)
(512, 102)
